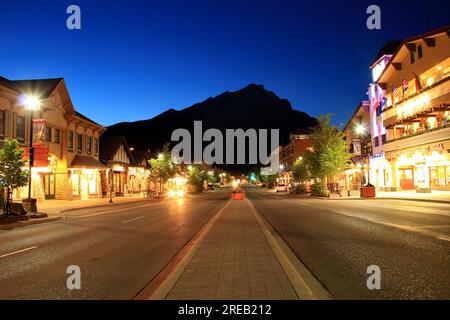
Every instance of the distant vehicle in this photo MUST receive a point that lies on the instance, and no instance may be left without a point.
(281, 188)
(210, 187)
(260, 184)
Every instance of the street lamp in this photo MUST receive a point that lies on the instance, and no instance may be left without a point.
(361, 131)
(32, 103)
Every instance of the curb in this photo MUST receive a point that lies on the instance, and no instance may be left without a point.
(103, 205)
(385, 198)
(28, 223)
(159, 287)
(305, 284)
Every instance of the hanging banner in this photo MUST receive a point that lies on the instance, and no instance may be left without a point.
(38, 131)
(40, 156)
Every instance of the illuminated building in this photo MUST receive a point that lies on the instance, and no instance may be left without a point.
(128, 169)
(357, 135)
(410, 115)
(66, 143)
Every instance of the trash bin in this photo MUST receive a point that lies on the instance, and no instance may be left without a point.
(368, 191)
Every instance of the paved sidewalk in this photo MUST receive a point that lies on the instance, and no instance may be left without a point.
(57, 207)
(435, 196)
(234, 262)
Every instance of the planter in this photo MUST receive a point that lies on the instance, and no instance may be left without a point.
(30, 205)
(238, 196)
(368, 192)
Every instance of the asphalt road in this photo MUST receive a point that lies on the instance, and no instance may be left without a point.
(118, 249)
(337, 240)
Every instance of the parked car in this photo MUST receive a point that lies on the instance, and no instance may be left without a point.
(281, 188)
(210, 187)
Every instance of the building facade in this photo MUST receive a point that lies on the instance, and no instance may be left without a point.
(410, 115)
(358, 137)
(128, 170)
(67, 142)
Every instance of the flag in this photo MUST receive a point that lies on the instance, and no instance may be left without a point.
(417, 82)
(405, 86)
(383, 102)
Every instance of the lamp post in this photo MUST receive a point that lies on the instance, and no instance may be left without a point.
(361, 131)
(31, 103)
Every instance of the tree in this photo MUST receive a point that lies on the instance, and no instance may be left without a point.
(300, 171)
(330, 154)
(12, 176)
(269, 181)
(197, 177)
(162, 167)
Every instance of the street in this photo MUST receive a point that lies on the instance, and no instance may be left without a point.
(119, 250)
(338, 239)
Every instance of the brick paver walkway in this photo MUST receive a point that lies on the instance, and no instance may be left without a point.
(234, 261)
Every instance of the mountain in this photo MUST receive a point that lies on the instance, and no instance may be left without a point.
(251, 107)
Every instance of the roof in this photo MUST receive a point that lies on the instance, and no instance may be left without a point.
(85, 162)
(364, 105)
(389, 47)
(79, 115)
(415, 38)
(40, 87)
(139, 156)
(109, 145)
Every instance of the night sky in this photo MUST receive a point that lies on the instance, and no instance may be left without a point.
(134, 59)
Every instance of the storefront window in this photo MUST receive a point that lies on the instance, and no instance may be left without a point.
(75, 184)
(439, 176)
(92, 183)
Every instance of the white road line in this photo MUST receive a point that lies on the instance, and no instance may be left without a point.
(134, 219)
(115, 210)
(16, 252)
(416, 229)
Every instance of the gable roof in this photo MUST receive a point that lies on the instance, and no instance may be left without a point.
(414, 38)
(82, 116)
(40, 87)
(110, 145)
(389, 47)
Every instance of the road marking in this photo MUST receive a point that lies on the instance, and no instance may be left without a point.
(416, 229)
(16, 252)
(111, 211)
(134, 219)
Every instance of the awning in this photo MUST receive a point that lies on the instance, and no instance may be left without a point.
(85, 162)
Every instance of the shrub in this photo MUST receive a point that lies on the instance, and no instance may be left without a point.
(319, 189)
(299, 189)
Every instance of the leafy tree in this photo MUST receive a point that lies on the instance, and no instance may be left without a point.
(330, 154)
(300, 171)
(11, 174)
(269, 181)
(162, 167)
(197, 177)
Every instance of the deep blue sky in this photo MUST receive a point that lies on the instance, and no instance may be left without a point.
(134, 59)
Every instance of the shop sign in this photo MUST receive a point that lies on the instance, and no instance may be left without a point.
(411, 152)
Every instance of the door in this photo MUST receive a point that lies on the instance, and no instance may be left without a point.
(407, 179)
(49, 186)
(118, 186)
